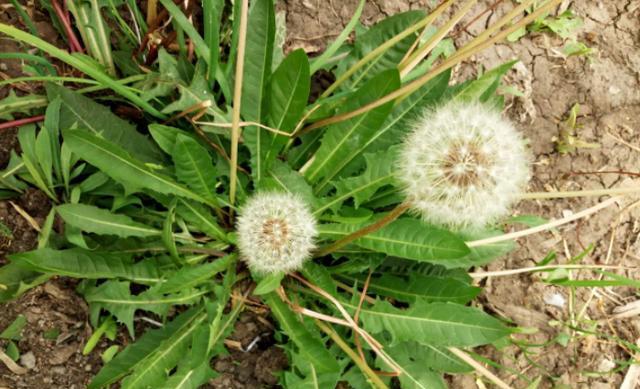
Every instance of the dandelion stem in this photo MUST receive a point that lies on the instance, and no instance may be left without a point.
(390, 217)
(237, 97)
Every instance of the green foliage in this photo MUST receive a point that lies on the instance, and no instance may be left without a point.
(142, 211)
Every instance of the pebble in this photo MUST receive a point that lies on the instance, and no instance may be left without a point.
(28, 360)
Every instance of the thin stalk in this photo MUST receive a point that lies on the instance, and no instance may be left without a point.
(327, 329)
(74, 43)
(479, 368)
(387, 219)
(378, 51)
(21, 122)
(152, 11)
(544, 227)
(103, 39)
(407, 66)
(123, 25)
(416, 84)
(499, 24)
(237, 100)
(82, 66)
(535, 269)
(579, 193)
(83, 22)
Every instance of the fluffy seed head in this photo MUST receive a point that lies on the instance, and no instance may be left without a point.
(463, 166)
(276, 232)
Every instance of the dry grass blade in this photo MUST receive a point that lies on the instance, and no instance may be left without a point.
(237, 100)
(11, 365)
(632, 378)
(373, 343)
(424, 23)
(389, 218)
(544, 227)
(32, 222)
(580, 193)
(416, 84)
(533, 269)
(246, 124)
(479, 368)
(410, 63)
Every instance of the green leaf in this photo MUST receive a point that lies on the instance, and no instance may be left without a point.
(82, 112)
(196, 92)
(313, 379)
(420, 287)
(322, 60)
(162, 83)
(405, 238)
(484, 87)
(12, 351)
(201, 218)
(81, 263)
(22, 104)
(15, 280)
(414, 373)
(165, 136)
(268, 284)
(280, 177)
(341, 139)
(194, 166)
(289, 89)
(310, 347)
(189, 378)
(116, 298)
(439, 324)
(376, 36)
(400, 120)
(152, 372)
(14, 330)
(435, 358)
(212, 10)
(380, 171)
(121, 166)
(191, 276)
(28, 144)
(100, 221)
(257, 68)
(150, 343)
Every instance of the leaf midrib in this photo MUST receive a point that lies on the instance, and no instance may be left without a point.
(387, 240)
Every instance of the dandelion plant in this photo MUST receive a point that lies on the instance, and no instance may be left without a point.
(352, 217)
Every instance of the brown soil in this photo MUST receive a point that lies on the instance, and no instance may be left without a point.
(52, 361)
(254, 360)
(607, 87)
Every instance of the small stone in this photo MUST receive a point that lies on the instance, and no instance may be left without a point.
(555, 299)
(88, 368)
(606, 365)
(62, 354)
(28, 360)
(59, 370)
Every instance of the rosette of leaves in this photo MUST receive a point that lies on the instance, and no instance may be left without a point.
(144, 213)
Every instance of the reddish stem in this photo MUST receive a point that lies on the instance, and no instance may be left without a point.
(21, 122)
(63, 15)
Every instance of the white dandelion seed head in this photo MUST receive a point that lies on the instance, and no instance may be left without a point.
(463, 166)
(276, 232)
